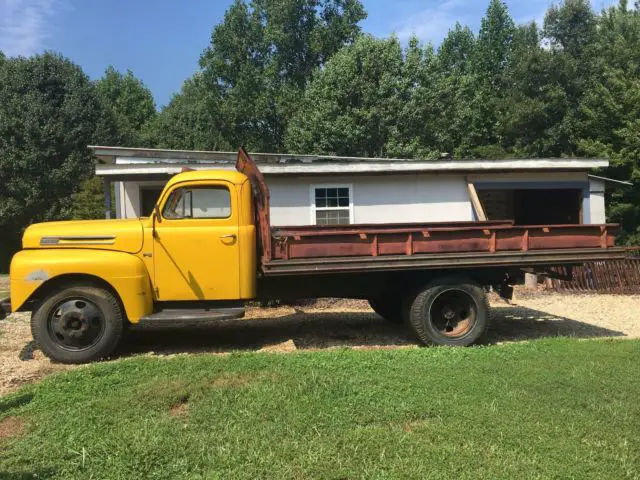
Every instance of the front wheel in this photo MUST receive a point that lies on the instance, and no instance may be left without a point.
(78, 324)
(450, 311)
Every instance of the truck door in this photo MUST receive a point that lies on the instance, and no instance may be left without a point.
(196, 251)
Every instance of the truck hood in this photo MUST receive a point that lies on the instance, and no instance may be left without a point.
(121, 235)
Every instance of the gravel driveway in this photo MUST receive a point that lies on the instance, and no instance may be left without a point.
(331, 324)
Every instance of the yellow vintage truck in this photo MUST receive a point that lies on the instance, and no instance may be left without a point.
(208, 247)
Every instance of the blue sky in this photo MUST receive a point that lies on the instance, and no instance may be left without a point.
(161, 40)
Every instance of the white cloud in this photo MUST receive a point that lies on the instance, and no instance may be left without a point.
(433, 23)
(25, 25)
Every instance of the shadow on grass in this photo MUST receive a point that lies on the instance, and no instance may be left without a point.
(7, 404)
(48, 473)
(320, 330)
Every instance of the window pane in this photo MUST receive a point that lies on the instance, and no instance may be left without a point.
(321, 202)
(343, 192)
(332, 192)
(214, 202)
(321, 194)
(343, 217)
(211, 203)
(332, 217)
(321, 217)
(343, 201)
(173, 206)
(332, 202)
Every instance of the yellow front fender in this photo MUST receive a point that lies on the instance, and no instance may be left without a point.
(126, 273)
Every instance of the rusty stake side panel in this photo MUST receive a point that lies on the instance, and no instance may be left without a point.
(541, 260)
(290, 243)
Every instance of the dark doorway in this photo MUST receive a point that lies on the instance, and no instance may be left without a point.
(148, 198)
(533, 206)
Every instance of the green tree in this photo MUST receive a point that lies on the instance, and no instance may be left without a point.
(191, 120)
(352, 104)
(571, 26)
(535, 101)
(412, 126)
(130, 104)
(570, 30)
(88, 202)
(261, 57)
(453, 94)
(493, 48)
(607, 117)
(48, 115)
(490, 62)
(455, 55)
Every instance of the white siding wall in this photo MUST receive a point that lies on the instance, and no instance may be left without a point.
(130, 197)
(376, 199)
(386, 198)
(596, 201)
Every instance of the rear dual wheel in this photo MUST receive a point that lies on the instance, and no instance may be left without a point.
(450, 311)
(388, 307)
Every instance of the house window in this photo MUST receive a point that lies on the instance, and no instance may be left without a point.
(331, 204)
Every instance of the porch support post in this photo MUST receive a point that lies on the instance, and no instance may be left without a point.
(107, 197)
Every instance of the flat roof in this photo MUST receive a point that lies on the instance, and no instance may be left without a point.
(120, 161)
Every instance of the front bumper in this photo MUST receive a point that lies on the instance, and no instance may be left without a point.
(5, 308)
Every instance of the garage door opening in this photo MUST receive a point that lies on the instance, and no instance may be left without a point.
(533, 206)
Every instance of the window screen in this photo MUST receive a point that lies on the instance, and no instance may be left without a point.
(205, 202)
(332, 205)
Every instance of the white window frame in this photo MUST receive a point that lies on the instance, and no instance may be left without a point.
(312, 197)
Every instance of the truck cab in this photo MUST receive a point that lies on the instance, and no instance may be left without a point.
(200, 242)
(196, 251)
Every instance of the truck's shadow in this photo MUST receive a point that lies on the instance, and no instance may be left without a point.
(321, 330)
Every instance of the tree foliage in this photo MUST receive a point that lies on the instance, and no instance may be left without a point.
(49, 111)
(191, 120)
(257, 65)
(130, 104)
(351, 106)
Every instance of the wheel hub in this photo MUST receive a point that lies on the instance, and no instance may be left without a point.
(453, 313)
(76, 324)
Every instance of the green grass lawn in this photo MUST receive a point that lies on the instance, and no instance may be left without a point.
(557, 408)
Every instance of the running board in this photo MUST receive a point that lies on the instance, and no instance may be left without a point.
(184, 314)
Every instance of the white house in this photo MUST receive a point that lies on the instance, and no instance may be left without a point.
(312, 189)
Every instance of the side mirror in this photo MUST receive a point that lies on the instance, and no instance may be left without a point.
(156, 214)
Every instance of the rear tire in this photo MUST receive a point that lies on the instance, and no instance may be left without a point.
(389, 307)
(78, 324)
(451, 311)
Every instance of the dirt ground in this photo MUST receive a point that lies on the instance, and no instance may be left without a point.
(329, 324)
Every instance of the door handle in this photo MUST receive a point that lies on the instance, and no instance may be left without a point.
(231, 236)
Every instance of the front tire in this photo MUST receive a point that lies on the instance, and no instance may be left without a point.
(451, 311)
(78, 324)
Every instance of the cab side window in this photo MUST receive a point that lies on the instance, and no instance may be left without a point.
(198, 202)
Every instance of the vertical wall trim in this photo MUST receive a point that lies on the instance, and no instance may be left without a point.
(586, 207)
(116, 194)
(479, 213)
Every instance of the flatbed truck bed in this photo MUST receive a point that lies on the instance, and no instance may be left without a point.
(325, 249)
